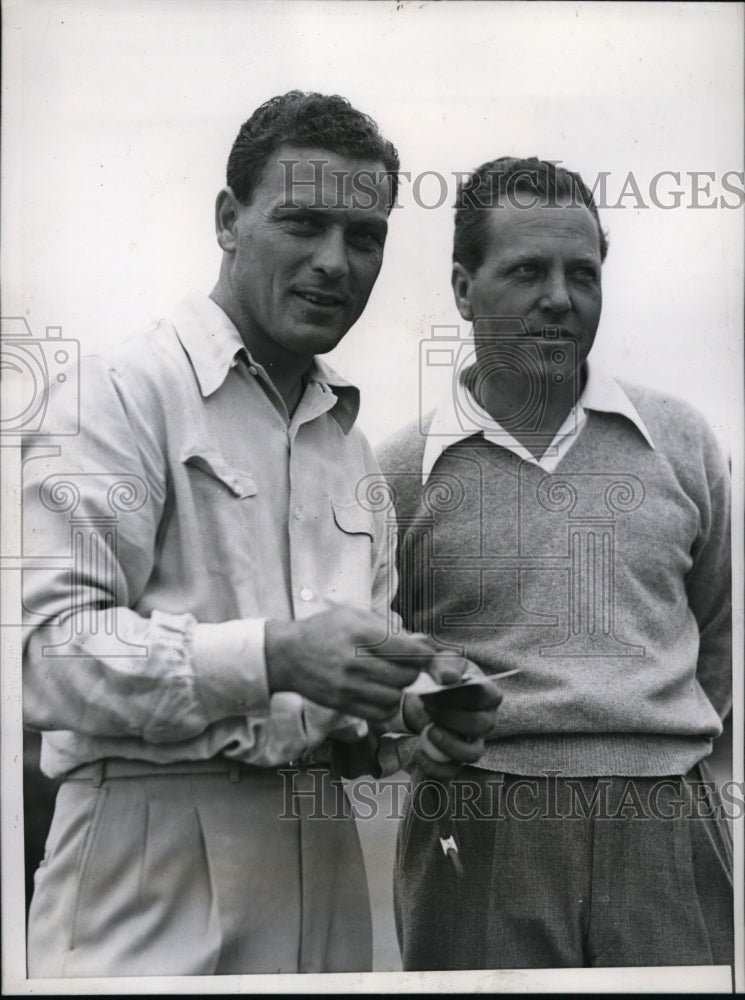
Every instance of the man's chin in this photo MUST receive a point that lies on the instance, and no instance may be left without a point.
(307, 341)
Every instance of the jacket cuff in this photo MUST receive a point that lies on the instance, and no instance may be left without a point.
(230, 668)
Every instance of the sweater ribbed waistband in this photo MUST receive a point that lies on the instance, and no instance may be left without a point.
(580, 755)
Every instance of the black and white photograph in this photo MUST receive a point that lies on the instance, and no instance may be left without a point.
(372, 443)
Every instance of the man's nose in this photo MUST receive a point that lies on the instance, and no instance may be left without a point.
(555, 294)
(330, 254)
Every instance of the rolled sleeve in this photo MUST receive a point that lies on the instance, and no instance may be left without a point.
(167, 513)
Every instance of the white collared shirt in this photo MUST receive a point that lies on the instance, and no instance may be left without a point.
(458, 416)
(228, 515)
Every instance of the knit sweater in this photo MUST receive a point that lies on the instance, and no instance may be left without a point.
(606, 583)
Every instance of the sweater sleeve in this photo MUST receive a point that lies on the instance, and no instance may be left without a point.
(709, 581)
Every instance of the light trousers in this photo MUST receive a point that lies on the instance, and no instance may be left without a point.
(201, 874)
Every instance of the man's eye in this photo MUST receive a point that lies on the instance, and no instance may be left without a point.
(587, 275)
(525, 271)
(366, 240)
(303, 225)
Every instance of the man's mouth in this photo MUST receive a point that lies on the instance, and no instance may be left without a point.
(316, 298)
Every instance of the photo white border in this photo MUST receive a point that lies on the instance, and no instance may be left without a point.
(26, 275)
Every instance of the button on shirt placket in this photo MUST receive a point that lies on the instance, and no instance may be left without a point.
(304, 499)
(229, 553)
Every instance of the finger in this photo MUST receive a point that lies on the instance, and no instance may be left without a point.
(414, 660)
(433, 769)
(414, 715)
(374, 701)
(394, 675)
(454, 746)
(406, 646)
(447, 667)
(432, 643)
(432, 751)
(370, 711)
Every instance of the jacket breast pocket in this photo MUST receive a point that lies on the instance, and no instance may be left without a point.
(223, 499)
(349, 554)
(352, 519)
(239, 483)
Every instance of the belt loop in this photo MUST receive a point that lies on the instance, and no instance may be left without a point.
(234, 771)
(99, 773)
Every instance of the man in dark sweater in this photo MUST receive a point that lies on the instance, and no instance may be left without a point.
(556, 523)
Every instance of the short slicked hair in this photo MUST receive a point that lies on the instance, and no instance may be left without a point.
(498, 182)
(310, 120)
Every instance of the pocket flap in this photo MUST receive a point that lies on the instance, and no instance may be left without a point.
(352, 518)
(241, 484)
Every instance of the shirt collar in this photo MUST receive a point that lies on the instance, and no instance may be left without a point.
(209, 338)
(348, 395)
(603, 393)
(213, 345)
(458, 416)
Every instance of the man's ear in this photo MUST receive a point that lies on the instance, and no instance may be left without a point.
(461, 282)
(226, 216)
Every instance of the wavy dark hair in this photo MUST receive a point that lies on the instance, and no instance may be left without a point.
(320, 121)
(502, 179)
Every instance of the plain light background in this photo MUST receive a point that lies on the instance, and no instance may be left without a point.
(118, 119)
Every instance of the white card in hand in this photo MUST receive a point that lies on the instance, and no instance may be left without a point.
(426, 684)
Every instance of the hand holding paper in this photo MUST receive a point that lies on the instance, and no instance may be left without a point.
(454, 717)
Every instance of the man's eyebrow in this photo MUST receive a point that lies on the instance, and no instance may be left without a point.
(311, 206)
(536, 256)
(371, 225)
(585, 258)
(287, 206)
(523, 257)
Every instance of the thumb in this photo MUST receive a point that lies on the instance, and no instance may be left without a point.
(447, 667)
